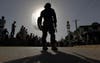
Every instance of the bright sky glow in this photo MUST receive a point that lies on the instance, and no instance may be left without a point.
(35, 15)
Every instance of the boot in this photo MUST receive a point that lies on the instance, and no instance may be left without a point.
(53, 47)
(45, 47)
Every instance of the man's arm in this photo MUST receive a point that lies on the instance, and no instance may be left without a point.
(55, 19)
(39, 21)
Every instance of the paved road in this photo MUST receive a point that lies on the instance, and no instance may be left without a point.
(76, 54)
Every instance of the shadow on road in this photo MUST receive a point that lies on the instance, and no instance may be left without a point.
(88, 59)
(47, 57)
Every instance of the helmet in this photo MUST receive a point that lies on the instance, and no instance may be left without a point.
(47, 5)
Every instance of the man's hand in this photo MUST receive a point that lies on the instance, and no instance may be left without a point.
(55, 27)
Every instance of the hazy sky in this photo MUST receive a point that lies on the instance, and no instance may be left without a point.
(86, 11)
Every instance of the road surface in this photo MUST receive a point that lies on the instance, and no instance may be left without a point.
(76, 54)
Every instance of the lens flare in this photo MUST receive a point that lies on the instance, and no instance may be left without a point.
(35, 15)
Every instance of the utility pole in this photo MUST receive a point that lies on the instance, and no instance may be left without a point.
(77, 32)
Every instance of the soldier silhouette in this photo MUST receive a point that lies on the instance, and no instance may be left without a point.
(2, 25)
(2, 22)
(49, 25)
(13, 29)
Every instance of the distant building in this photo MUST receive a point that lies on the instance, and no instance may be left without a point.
(88, 33)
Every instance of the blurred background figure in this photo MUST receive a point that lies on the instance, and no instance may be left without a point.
(13, 29)
(2, 25)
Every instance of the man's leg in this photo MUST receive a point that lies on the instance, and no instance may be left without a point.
(53, 41)
(11, 34)
(44, 35)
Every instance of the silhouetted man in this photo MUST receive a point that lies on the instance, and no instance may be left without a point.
(2, 22)
(2, 25)
(49, 25)
(13, 29)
